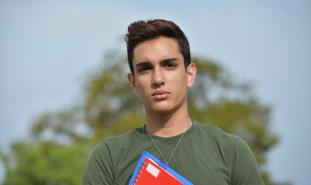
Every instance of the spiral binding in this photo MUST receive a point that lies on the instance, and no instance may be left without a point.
(142, 168)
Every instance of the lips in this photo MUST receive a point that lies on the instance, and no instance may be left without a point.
(160, 95)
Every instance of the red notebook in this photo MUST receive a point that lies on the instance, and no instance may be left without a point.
(151, 171)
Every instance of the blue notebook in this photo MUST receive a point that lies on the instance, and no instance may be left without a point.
(151, 171)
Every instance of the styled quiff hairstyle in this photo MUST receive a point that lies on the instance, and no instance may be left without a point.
(141, 31)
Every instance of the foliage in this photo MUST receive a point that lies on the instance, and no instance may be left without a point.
(61, 141)
(48, 163)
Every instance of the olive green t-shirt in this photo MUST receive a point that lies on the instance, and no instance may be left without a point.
(205, 156)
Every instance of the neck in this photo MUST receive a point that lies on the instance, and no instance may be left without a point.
(168, 124)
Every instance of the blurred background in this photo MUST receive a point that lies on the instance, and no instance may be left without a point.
(63, 81)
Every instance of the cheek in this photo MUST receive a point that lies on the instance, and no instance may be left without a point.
(180, 85)
(142, 89)
(182, 90)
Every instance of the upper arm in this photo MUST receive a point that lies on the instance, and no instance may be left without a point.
(99, 170)
(244, 169)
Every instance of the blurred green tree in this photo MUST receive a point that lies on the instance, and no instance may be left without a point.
(61, 142)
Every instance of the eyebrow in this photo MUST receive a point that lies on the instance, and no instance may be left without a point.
(168, 60)
(161, 62)
(144, 63)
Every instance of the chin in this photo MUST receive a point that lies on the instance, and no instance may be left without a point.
(162, 108)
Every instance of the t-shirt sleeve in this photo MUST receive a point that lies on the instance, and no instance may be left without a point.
(99, 170)
(245, 170)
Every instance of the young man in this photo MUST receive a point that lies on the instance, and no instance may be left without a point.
(161, 74)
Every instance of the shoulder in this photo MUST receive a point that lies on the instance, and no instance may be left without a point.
(228, 145)
(123, 138)
(218, 135)
(235, 152)
(106, 155)
(120, 141)
(101, 168)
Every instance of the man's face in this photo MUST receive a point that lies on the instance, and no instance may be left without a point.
(160, 78)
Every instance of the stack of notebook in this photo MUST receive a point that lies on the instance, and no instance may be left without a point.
(152, 171)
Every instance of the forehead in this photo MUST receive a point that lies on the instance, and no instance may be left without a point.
(156, 50)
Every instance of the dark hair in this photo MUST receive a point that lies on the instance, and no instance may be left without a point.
(141, 31)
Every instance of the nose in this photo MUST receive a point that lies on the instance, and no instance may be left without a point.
(157, 78)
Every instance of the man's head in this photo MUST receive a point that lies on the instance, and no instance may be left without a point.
(141, 31)
(161, 71)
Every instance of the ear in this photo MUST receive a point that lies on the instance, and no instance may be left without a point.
(131, 80)
(191, 74)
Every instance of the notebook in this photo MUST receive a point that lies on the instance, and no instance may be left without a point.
(151, 171)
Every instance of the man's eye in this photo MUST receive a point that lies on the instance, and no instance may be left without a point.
(144, 68)
(170, 65)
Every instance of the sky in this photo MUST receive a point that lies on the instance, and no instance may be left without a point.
(47, 48)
